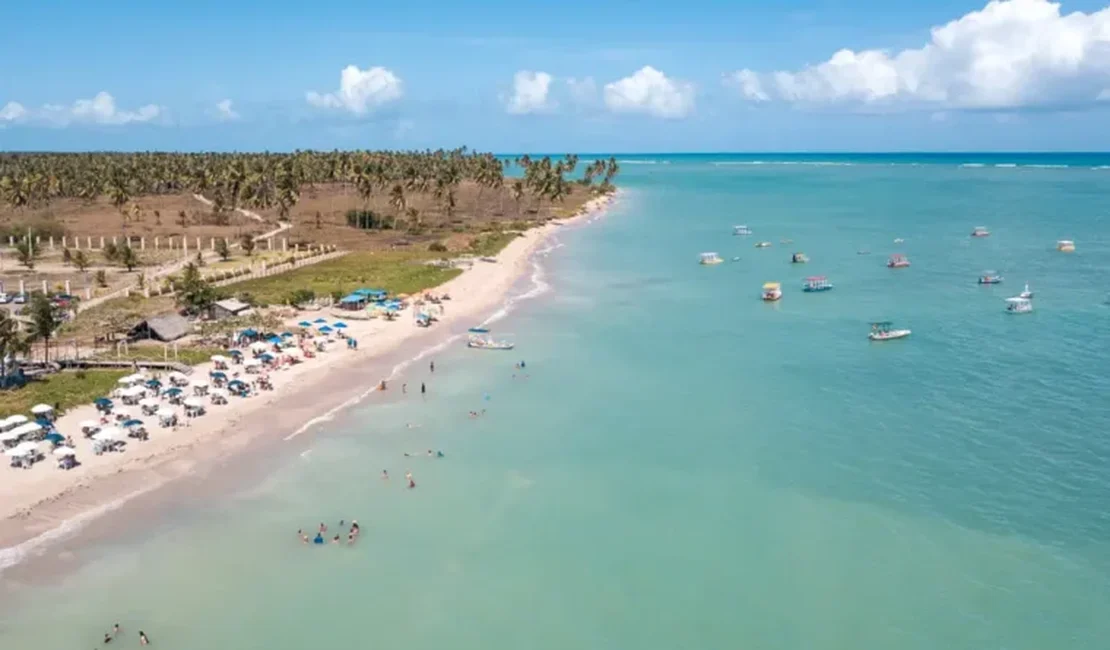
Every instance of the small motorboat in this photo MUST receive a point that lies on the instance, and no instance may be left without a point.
(709, 259)
(798, 258)
(1065, 246)
(899, 240)
(980, 231)
(1019, 305)
(763, 244)
(772, 291)
(741, 230)
(990, 277)
(1027, 293)
(817, 284)
(884, 331)
(898, 261)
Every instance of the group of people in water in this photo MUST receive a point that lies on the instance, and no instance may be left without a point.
(110, 636)
(352, 534)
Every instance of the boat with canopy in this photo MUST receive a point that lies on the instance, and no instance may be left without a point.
(980, 231)
(884, 331)
(1019, 305)
(990, 277)
(772, 291)
(741, 230)
(708, 259)
(798, 258)
(480, 338)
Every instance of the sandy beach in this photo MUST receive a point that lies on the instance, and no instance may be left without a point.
(43, 502)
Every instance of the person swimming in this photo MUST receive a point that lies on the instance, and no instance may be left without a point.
(439, 454)
(354, 527)
(319, 539)
(142, 638)
(323, 528)
(385, 475)
(412, 483)
(335, 540)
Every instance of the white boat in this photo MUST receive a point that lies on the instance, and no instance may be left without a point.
(479, 338)
(980, 231)
(1065, 246)
(1027, 293)
(763, 244)
(772, 291)
(708, 259)
(741, 230)
(1019, 305)
(884, 331)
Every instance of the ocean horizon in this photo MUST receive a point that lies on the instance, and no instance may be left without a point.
(679, 463)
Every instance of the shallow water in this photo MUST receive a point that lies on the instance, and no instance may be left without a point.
(686, 466)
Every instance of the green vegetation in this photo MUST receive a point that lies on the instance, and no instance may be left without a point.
(491, 243)
(394, 271)
(46, 317)
(189, 355)
(64, 388)
(113, 316)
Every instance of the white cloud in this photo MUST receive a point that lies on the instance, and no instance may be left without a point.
(224, 111)
(749, 85)
(582, 91)
(101, 109)
(650, 91)
(530, 93)
(360, 91)
(1010, 54)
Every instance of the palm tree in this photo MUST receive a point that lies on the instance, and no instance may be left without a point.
(517, 192)
(12, 343)
(397, 198)
(45, 319)
(26, 252)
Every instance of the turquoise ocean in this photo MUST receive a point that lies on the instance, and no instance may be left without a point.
(683, 465)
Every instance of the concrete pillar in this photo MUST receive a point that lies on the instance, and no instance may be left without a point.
(212, 244)
(155, 243)
(114, 242)
(88, 243)
(101, 242)
(11, 240)
(198, 243)
(67, 288)
(88, 293)
(44, 291)
(38, 241)
(51, 242)
(284, 244)
(63, 241)
(142, 243)
(22, 289)
(127, 292)
(185, 245)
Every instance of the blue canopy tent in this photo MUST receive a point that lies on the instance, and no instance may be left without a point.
(373, 294)
(354, 300)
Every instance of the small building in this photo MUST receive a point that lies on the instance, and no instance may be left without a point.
(229, 308)
(167, 327)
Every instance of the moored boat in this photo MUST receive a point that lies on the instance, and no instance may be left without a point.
(479, 338)
(1027, 293)
(709, 259)
(1065, 246)
(741, 230)
(898, 261)
(817, 283)
(980, 231)
(1019, 305)
(884, 331)
(798, 258)
(772, 291)
(763, 244)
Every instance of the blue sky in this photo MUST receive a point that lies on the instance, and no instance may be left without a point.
(698, 75)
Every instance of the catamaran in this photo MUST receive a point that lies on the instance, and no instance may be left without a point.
(479, 337)
(741, 230)
(817, 283)
(709, 259)
(883, 331)
(1019, 305)
(772, 291)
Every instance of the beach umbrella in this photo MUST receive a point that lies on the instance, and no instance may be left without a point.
(149, 402)
(219, 358)
(166, 413)
(153, 383)
(235, 383)
(44, 422)
(320, 320)
(90, 424)
(304, 323)
(325, 329)
(218, 375)
(41, 409)
(235, 353)
(339, 325)
(103, 403)
(55, 437)
(133, 423)
(16, 420)
(65, 451)
(266, 356)
(22, 449)
(172, 391)
(108, 434)
(276, 340)
(194, 402)
(199, 383)
(287, 335)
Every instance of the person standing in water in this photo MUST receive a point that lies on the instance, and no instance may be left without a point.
(404, 388)
(423, 389)
(142, 638)
(432, 366)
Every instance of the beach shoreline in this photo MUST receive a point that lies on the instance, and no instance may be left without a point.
(44, 505)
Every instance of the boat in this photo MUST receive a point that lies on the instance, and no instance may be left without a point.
(741, 230)
(1019, 305)
(1065, 246)
(479, 337)
(709, 259)
(1027, 293)
(884, 331)
(772, 291)
(898, 261)
(799, 258)
(980, 231)
(899, 240)
(763, 244)
(990, 277)
(817, 283)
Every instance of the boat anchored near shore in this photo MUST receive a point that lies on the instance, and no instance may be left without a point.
(772, 291)
(479, 338)
(1019, 305)
(709, 259)
(741, 230)
(817, 283)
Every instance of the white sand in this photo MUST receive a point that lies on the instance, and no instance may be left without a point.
(40, 499)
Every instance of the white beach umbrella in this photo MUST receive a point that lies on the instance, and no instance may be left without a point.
(65, 451)
(199, 383)
(108, 434)
(125, 381)
(122, 414)
(150, 402)
(22, 449)
(219, 358)
(90, 424)
(134, 391)
(219, 392)
(294, 353)
(178, 377)
(9, 436)
(42, 409)
(251, 363)
(16, 420)
(166, 413)
(260, 346)
(27, 429)
(194, 402)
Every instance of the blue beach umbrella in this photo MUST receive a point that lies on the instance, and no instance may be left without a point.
(339, 325)
(236, 384)
(217, 375)
(287, 335)
(133, 423)
(235, 353)
(304, 323)
(266, 357)
(153, 383)
(103, 402)
(55, 437)
(172, 391)
(325, 329)
(320, 320)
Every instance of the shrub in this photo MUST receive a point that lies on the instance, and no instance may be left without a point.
(437, 247)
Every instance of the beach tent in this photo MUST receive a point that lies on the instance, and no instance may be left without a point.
(65, 451)
(373, 294)
(90, 425)
(42, 409)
